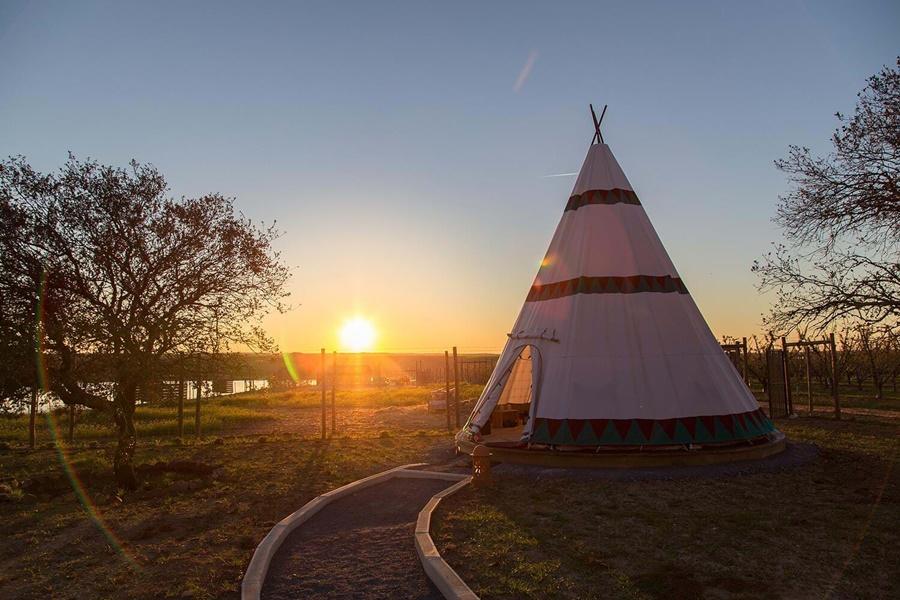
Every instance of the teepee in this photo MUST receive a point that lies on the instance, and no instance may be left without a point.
(609, 348)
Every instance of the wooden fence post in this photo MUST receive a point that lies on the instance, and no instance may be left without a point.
(32, 416)
(456, 385)
(322, 387)
(808, 380)
(447, 388)
(744, 365)
(181, 393)
(71, 423)
(834, 376)
(333, 385)
(787, 377)
(197, 409)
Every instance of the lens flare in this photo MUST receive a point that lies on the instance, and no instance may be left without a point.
(62, 453)
(357, 335)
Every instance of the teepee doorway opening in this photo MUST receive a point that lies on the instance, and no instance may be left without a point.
(515, 397)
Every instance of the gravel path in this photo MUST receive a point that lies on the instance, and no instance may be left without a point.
(359, 546)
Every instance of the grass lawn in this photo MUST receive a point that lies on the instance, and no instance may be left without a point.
(831, 528)
(188, 533)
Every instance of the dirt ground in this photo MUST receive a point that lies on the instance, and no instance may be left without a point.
(359, 546)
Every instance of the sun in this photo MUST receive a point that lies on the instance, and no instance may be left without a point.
(357, 334)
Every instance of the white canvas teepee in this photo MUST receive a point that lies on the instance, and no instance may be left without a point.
(609, 347)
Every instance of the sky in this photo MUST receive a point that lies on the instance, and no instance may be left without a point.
(403, 148)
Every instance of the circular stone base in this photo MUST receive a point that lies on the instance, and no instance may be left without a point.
(630, 459)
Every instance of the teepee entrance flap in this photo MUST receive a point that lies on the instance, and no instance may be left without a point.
(514, 385)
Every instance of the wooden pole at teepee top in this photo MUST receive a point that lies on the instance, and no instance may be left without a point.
(447, 388)
(322, 387)
(333, 385)
(456, 385)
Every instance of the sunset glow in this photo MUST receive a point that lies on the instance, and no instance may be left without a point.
(357, 335)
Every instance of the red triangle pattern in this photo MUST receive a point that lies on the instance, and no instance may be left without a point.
(709, 423)
(622, 426)
(690, 424)
(646, 427)
(575, 426)
(668, 426)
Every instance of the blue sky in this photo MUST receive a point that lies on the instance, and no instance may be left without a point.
(390, 142)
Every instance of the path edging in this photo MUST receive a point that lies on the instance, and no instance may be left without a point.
(441, 574)
(255, 576)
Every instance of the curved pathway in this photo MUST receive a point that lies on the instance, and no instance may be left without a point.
(358, 546)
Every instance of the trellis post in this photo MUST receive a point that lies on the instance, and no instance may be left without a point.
(322, 387)
(834, 382)
(787, 376)
(456, 385)
(447, 386)
(197, 409)
(808, 380)
(333, 385)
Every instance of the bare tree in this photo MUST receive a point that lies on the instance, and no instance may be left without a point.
(124, 278)
(841, 221)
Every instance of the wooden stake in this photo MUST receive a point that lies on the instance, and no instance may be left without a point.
(333, 385)
(71, 423)
(322, 387)
(787, 377)
(834, 381)
(745, 370)
(181, 393)
(808, 381)
(197, 409)
(32, 416)
(456, 385)
(447, 388)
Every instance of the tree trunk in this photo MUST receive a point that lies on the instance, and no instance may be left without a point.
(123, 464)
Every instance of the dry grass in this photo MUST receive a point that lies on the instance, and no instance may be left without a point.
(185, 534)
(827, 528)
(259, 411)
(795, 534)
